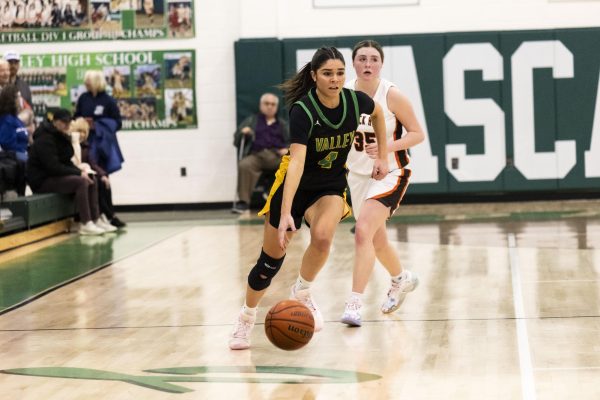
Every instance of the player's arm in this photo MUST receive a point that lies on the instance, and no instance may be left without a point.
(400, 105)
(300, 126)
(380, 168)
(292, 176)
(292, 180)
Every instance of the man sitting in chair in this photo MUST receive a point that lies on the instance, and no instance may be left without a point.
(265, 140)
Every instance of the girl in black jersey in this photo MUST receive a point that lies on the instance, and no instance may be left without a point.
(311, 180)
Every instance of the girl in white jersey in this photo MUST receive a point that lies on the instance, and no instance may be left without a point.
(373, 202)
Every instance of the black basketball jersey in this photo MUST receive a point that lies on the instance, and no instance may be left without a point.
(328, 135)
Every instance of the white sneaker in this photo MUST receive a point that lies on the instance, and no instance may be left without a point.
(304, 297)
(351, 314)
(240, 337)
(398, 291)
(89, 228)
(105, 225)
(104, 218)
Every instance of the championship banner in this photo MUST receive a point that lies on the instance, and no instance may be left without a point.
(153, 89)
(32, 21)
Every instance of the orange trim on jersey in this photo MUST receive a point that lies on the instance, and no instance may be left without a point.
(395, 136)
(400, 163)
(390, 191)
(393, 210)
(402, 194)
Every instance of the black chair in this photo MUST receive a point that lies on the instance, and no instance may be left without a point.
(262, 189)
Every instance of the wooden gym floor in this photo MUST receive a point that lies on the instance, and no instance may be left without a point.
(508, 308)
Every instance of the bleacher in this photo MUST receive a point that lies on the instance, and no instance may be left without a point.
(30, 218)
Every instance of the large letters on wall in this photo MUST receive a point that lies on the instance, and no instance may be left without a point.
(506, 111)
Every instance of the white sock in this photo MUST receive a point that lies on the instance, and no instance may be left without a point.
(249, 311)
(355, 297)
(398, 277)
(302, 283)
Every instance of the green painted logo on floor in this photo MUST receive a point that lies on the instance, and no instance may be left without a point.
(164, 383)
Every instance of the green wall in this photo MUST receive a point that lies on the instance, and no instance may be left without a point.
(258, 69)
(541, 85)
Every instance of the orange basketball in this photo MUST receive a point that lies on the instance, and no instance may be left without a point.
(289, 325)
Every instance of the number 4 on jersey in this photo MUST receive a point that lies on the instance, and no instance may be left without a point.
(328, 160)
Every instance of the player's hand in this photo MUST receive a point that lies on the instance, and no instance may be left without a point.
(371, 150)
(285, 222)
(246, 130)
(380, 169)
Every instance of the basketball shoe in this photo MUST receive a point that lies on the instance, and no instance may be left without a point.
(240, 337)
(351, 314)
(100, 223)
(395, 296)
(304, 297)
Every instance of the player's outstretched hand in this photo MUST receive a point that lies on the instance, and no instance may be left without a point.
(285, 222)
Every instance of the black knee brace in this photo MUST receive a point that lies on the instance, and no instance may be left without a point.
(265, 269)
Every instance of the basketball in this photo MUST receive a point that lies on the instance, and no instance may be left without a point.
(289, 325)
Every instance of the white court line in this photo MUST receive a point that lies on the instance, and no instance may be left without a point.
(566, 281)
(567, 368)
(527, 380)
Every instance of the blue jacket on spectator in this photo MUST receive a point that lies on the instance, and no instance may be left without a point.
(13, 136)
(104, 146)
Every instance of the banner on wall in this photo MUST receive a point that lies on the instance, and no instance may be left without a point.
(32, 21)
(153, 89)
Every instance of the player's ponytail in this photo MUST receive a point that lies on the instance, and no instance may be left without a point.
(298, 85)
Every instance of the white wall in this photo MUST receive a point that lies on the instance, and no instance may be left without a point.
(153, 159)
(151, 174)
(299, 19)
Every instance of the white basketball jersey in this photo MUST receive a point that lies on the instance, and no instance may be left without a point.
(358, 161)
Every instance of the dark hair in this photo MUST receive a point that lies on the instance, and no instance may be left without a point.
(63, 115)
(8, 100)
(299, 84)
(367, 43)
